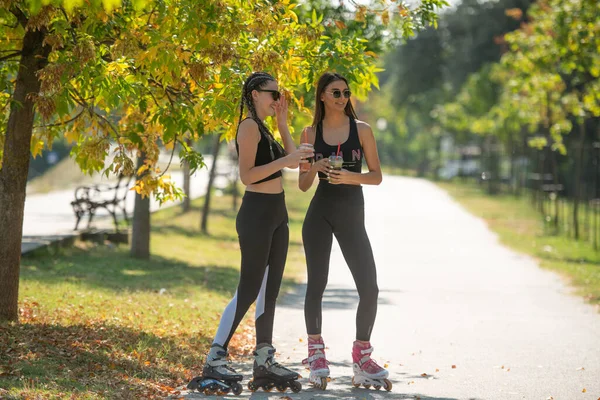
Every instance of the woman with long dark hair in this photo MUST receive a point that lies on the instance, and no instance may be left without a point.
(262, 226)
(340, 143)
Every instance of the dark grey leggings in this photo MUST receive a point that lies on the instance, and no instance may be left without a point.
(339, 210)
(262, 226)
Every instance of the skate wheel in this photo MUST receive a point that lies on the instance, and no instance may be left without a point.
(281, 388)
(236, 388)
(377, 387)
(356, 385)
(388, 384)
(295, 386)
(252, 387)
(268, 387)
(209, 391)
(366, 386)
(323, 384)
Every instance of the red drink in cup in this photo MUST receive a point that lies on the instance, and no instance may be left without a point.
(306, 166)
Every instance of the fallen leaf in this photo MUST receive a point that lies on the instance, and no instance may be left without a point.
(454, 367)
(580, 369)
(508, 370)
(550, 398)
(583, 391)
(423, 374)
(385, 365)
(301, 340)
(437, 370)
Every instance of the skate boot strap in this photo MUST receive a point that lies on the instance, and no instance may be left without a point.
(314, 357)
(217, 363)
(367, 351)
(316, 346)
(364, 360)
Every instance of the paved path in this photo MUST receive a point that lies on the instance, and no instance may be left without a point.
(450, 295)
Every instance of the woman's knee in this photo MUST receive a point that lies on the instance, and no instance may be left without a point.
(369, 293)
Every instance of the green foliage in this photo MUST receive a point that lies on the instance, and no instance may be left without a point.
(125, 77)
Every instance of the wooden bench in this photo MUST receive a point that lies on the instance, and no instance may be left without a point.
(111, 197)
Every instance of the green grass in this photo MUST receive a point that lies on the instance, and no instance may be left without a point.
(97, 324)
(521, 227)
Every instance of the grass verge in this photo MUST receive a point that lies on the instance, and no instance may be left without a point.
(97, 324)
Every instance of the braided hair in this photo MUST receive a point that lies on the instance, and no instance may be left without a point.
(256, 81)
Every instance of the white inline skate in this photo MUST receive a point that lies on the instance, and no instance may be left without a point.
(317, 363)
(366, 371)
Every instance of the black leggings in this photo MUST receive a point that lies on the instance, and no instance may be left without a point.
(339, 211)
(262, 226)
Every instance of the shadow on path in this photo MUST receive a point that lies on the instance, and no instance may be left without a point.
(335, 297)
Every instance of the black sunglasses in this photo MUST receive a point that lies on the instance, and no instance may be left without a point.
(276, 95)
(337, 93)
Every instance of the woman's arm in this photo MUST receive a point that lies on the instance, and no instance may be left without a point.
(374, 176)
(306, 178)
(282, 126)
(247, 139)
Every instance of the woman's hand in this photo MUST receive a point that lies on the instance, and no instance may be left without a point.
(341, 176)
(321, 166)
(300, 156)
(281, 109)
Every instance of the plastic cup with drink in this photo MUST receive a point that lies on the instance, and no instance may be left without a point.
(306, 166)
(336, 162)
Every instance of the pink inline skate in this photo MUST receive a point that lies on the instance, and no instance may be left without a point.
(319, 371)
(366, 371)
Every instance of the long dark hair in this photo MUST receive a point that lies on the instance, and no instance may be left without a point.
(257, 80)
(324, 81)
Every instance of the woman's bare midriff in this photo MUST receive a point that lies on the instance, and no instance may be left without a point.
(273, 186)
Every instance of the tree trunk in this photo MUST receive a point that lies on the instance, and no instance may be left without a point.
(140, 240)
(555, 181)
(14, 169)
(578, 164)
(187, 200)
(542, 172)
(211, 179)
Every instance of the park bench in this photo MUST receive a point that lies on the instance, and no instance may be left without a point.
(111, 197)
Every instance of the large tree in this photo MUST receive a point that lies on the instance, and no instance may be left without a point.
(126, 77)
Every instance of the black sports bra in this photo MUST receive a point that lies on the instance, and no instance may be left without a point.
(268, 150)
(351, 150)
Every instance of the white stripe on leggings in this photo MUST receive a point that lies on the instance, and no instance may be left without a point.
(260, 301)
(226, 321)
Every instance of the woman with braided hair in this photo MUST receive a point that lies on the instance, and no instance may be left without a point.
(262, 226)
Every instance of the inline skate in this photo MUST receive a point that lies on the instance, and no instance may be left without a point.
(366, 371)
(217, 376)
(317, 363)
(268, 374)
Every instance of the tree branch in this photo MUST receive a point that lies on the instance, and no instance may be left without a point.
(70, 27)
(20, 15)
(170, 159)
(8, 56)
(61, 123)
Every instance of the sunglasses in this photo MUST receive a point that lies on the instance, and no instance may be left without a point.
(274, 93)
(337, 93)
